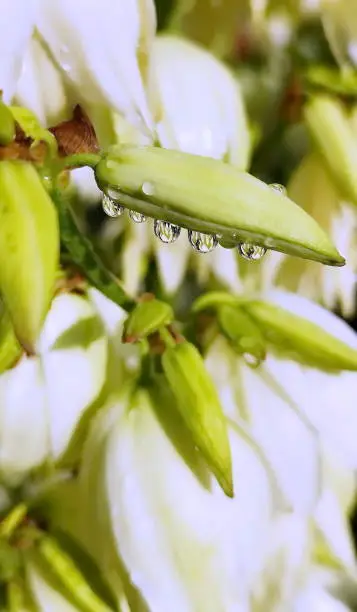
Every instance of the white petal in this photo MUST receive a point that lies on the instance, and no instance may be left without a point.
(289, 442)
(87, 188)
(40, 86)
(172, 262)
(96, 45)
(24, 441)
(205, 549)
(17, 23)
(202, 108)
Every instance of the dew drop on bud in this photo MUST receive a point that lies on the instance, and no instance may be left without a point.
(203, 243)
(167, 232)
(148, 188)
(137, 216)
(252, 252)
(279, 188)
(110, 207)
(251, 360)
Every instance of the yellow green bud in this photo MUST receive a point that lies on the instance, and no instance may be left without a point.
(147, 318)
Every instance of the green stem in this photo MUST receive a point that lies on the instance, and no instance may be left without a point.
(84, 256)
(12, 520)
(166, 337)
(78, 160)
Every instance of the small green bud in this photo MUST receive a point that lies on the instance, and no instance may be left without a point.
(7, 125)
(199, 405)
(302, 338)
(331, 130)
(29, 248)
(210, 196)
(213, 300)
(147, 318)
(242, 332)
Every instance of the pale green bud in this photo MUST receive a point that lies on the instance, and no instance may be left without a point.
(146, 318)
(210, 196)
(29, 243)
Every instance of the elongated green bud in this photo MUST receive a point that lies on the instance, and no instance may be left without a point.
(200, 408)
(52, 558)
(210, 196)
(10, 349)
(29, 248)
(214, 299)
(147, 318)
(242, 332)
(301, 337)
(331, 130)
(7, 125)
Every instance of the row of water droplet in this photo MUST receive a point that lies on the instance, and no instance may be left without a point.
(169, 233)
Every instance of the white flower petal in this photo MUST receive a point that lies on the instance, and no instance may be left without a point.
(40, 86)
(97, 46)
(24, 439)
(172, 262)
(17, 23)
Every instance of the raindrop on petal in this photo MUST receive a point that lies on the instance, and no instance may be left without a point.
(167, 232)
(203, 243)
(137, 216)
(110, 207)
(148, 188)
(252, 252)
(279, 188)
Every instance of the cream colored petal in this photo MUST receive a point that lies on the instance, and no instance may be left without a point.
(40, 86)
(202, 107)
(283, 432)
(134, 256)
(24, 439)
(205, 549)
(17, 23)
(172, 262)
(97, 46)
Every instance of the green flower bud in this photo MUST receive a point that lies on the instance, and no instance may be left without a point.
(306, 339)
(32, 128)
(147, 318)
(29, 244)
(243, 333)
(7, 125)
(207, 195)
(198, 403)
(10, 349)
(330, 128)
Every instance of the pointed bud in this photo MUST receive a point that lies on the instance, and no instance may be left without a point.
(147, 318)
(200, 408)
(210, 196)
(330, 128)
(29, 243)
(242, 332)
(306, 339)
(7, 125)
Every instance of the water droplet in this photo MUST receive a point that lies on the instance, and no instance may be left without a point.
(203, 243)
(252, 252)
(279, 188)
(251, 360)
(148, 188)
(137, 216)
(111, 208)
(167, 232)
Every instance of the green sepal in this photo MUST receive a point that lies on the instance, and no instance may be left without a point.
(29, 248)
(200, 408)
(210, 196)
(147, 318)
(303, 340)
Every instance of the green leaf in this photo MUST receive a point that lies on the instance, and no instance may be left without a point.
(210, 196)
(302, 339)
(199, 405)
(147, 318)
(29, 123)
(29, 248)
